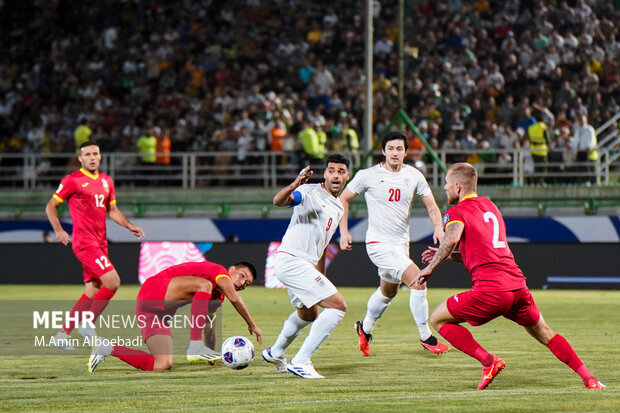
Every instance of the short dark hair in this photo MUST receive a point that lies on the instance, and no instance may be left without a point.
(395, 135)
(337, 158)
(88, 143)
(248, 266)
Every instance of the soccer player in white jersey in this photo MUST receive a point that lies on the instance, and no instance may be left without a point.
(300, 264)
(389, 188)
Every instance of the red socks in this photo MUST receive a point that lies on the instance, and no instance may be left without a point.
(461, 338)
(137, 358)
(199, 311)
(101, 300)
(83, 304)
(565, 353)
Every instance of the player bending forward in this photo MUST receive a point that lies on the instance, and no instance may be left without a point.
(300, 265)
(475, 224)
(202, 284)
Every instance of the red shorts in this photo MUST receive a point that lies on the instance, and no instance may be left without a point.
(479, 307)
(95, 263)
(150, 311)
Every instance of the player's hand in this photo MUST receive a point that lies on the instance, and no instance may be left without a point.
(135, 230)
(63, 237)
(346, 241)
(424, 275)
(438, 235)
(428, 255)
(259, 334)
(304, 175)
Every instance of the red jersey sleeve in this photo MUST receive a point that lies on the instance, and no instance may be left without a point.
(452, 215)
(65, 189)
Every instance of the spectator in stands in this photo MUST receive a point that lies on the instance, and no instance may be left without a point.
(151, 63)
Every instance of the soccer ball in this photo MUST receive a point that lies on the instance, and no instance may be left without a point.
(237, 352)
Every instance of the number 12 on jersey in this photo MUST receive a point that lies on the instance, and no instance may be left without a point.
(489, 216)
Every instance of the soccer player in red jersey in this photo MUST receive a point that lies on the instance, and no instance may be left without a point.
(90, 196)
(205, 285)
(475, 224)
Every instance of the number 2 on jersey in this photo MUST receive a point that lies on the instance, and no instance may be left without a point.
(394, 195)
(99, 198)
(496, 242)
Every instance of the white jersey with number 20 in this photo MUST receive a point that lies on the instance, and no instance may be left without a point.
(388, 199)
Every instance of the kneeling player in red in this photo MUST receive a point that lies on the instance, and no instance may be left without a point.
(475, 224)
(161, 295)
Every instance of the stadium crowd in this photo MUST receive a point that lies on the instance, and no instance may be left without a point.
(245, 75)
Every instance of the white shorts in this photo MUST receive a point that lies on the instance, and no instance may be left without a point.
(305, 285)
(391, 259)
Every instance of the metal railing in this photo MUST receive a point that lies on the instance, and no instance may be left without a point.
(271, 169)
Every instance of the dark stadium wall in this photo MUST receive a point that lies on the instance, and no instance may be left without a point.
(546, 265)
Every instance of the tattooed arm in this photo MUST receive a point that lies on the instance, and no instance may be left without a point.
(449, 242)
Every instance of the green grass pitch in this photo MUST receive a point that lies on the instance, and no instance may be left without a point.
(398, 376)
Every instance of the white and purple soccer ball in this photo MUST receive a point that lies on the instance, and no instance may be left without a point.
(237, 352)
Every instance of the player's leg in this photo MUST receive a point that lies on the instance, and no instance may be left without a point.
(296, 275)
(180, 287)
(75, 316)
(106, 289)
(293, 326)
(378, 302)
(461, 338)
(334, 308)
(562, 349)
(418, 304)
(333, 312)
(103, 276)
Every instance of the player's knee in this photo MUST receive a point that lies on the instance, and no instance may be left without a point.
(206, 287)
(436, 322)
(341, 305)
(162, 363)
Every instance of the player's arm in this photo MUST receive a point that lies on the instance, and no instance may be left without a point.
(228, 288)
(454, 230)
(117, 216)
(346, 240)
(428, 255)
(434, 213)
(51, 210)
(284, 197)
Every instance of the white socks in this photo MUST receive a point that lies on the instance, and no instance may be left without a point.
(290, 330)
(419, 308)
(320, 330)
(377, 304)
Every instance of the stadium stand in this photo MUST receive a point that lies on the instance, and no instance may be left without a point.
(246, 75)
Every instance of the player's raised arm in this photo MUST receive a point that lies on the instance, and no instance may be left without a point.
(117, 216)
(346, 240)
(51, 210)
(229, 290)
(434, 213)
(284, 196)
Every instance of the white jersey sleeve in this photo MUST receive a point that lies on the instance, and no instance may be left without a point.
(314, 221)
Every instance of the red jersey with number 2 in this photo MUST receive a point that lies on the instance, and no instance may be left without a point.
(483, 245)
(89, 197)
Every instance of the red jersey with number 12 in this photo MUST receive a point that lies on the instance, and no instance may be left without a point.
(483, 245)
(89, 197)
